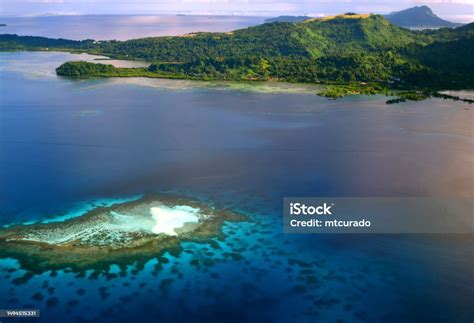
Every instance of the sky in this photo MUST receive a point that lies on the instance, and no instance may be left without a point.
(458, 10)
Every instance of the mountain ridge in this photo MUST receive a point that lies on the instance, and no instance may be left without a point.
(419, 17)
(414, 17)
(339, 49)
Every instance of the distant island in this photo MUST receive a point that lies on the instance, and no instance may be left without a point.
(351, 53)
(417, 17)
(3, 25)
(287, 19)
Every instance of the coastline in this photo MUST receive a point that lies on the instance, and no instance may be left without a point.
(114, 235)
(329, 90)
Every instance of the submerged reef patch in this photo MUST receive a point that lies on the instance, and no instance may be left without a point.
(122, 234)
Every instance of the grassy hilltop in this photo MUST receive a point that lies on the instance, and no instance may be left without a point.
(347, 49)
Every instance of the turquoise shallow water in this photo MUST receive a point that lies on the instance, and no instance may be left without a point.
(259, 274)
(67, 146)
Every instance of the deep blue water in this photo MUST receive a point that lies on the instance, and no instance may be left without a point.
(68, 145)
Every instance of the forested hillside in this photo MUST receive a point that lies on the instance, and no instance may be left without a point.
(344, 48)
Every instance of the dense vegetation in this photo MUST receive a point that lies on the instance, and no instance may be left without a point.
(83, 68)
(86, 69)
(419, 17)
(348, 49)
(340, 90)
(14, 42)
(422, 95)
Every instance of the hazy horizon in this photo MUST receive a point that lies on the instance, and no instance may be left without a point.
(457, 10)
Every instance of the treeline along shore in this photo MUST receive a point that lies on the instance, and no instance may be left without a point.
(350, 53)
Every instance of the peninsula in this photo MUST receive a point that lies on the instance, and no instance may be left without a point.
(353, 53)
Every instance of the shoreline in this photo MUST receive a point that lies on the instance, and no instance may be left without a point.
(331, 90)
(114, 235)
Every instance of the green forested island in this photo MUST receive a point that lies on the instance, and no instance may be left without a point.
(363, 53)
(415, 17)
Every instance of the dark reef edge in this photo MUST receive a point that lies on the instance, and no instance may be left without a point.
(75, 256)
